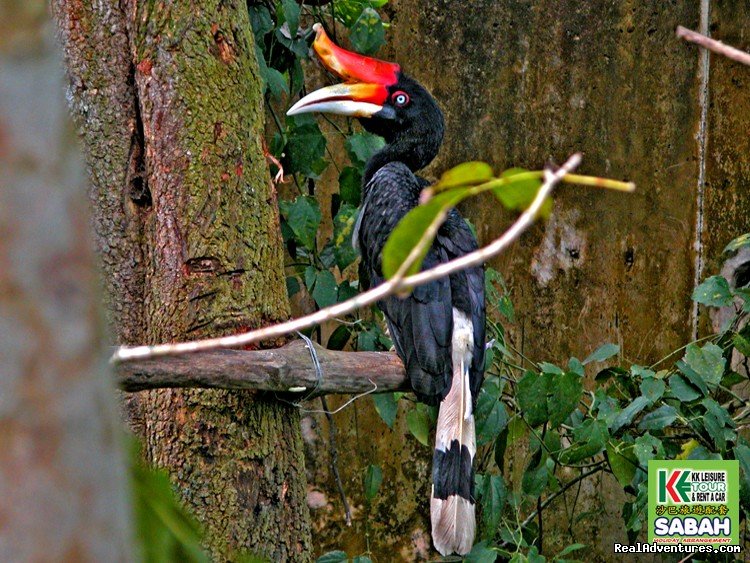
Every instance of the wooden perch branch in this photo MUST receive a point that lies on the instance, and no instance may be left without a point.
(283, 370)
(712, 45)
(392, 287)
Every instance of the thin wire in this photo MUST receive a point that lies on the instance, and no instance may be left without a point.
(319, 383)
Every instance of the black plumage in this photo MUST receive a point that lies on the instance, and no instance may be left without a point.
(421, 324)
(438, 330)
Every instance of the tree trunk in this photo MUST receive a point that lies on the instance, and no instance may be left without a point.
(63, 481)
(169, 103)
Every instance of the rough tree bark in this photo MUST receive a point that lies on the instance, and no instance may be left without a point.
(63, 484)
(168, 101)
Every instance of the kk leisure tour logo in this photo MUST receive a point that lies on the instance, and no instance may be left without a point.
(693, 502)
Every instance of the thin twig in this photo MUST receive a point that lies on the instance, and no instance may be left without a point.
(713, 45)
(391, 287)
(553, 496)
(335, 460)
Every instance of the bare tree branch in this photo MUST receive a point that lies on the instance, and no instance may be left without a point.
(393, 286)
(283, 370)
(713, 45)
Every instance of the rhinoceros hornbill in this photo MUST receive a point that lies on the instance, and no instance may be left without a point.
(439, 329)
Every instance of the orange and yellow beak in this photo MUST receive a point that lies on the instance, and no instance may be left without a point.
(365, 89)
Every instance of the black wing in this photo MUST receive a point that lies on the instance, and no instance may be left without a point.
(421, 325)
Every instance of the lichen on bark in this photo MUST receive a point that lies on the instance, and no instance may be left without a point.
(206, 246)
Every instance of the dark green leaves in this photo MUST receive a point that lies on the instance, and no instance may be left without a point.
(303, 217)
(622, 461)
(291, 15)
(519, 194)
(681, 389)
(703, 366)
(385, 404)
(343, 226)
(658, 419)
(466, 174)
(714, 292)
(305, 146)
(602, 353)
(361, 146)
(373, 478)
(739, 242)
(491, 416)
(590, 439)
(492, 495)
(418, 423)
(367, 34)
(165, 530)
(547, 397)
(422, 221)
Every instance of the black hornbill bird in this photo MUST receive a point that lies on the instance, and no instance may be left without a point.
(439, 329)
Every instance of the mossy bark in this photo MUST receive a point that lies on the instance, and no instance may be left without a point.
(169, 104)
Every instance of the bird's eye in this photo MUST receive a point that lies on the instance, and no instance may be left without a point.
(400, 98)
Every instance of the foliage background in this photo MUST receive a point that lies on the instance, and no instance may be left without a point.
(519, 85)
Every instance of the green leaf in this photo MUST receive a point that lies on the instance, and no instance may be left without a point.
(570, 549)
(648, 447)
(519, 194)
(659, 419)
(740, 242)
(373, 478)
(742, 455)
(708, 362)
(166, 531)
(305, 146)
(602, 353)
(714, 292)
(575, 366)
(261, 22)
(276, 82)
(493, 495)
(622, 460)
(720, 413)
(343, 227)
(333, 557)
(681, 389)
(292, 286)
(386, 406)
(590, 439)
(339, 338)
(350, 185)
(653, 389)
(465, 174)
(627, 414)
(325, 289)
(741, 343)
(546, 367)
(531, 394)
(490, 425)
(291, 15)
(564, 393)
(367, 34)
(410, 230)
(361, 559)
(535, 477)
(361, 146)
(481, 553)
(303, 216)
(418, 424)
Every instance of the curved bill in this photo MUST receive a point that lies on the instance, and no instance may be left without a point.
(366, 87)
(356, 100)
(352, 67)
